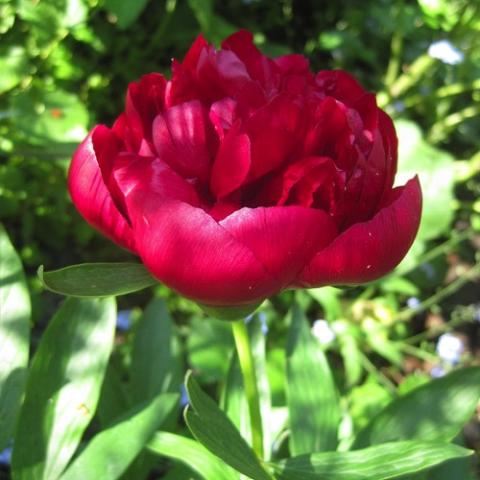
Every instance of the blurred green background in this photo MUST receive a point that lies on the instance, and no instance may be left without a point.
(65, 66)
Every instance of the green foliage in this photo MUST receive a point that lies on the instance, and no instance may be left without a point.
(390, 460)
(314, 412)
(113, 449)
(92, 399)
(215, 431)
(14, 336)
(97, 279)
(63, 387)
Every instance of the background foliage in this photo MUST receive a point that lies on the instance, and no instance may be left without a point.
(65, 66)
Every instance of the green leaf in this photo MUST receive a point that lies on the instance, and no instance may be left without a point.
(212, 428)
(50, 117)
(14, 336)
(14, 66)
(435, 411)
(329, 299)
(126, 11)
(209, 343)
(192, 454)
(234, 401)
(63, 387)
(313, 400)
(348, 340)
(97, 279)
(152, 368)
(391, 460)
(112, 450)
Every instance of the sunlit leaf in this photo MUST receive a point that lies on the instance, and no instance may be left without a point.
(63, 387)
(14, 335)
(391, 460)
(434, 411)
(193, 454)
(212, 428)
(111, 451)
(313, 400)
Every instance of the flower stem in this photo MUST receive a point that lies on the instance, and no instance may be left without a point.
(245, 357)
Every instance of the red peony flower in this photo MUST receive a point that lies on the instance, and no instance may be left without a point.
(244, 175)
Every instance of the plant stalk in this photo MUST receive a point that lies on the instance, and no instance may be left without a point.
(247, 366)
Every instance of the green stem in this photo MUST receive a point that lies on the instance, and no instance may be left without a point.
(450, 289)
(245, 357)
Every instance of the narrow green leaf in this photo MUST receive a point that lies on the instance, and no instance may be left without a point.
(192, 454)
(313, 402)
(212, 428)
(112, 450)
(234, 401)
(14, 335)
(97, 279)
(63, 387)
(152, 361)
(391, 460)
(434, 411)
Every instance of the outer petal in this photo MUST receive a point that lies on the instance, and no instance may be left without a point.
(185, 248)
(283, 239)
(368, 250)
(92, 198)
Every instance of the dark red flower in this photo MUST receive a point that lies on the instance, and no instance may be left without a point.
(245, 175)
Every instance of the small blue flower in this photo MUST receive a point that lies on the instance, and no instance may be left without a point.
(183, 396)
(437, 371)
(262, 316)
(6, 456)
(450, 348)
(322, 331)
(413, 302)
(444, 51)
(124, 320)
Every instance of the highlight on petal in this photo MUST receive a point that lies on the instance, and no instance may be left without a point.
(369, 250)
(92, 198)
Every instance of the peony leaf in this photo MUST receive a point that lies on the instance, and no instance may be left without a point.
(154, 366)
(391, 460)
(14, 335)
(193, 454)
(311, 392)
(97, 279)
(112, 450)
(63, 387)
(213, 429)
(434, 411)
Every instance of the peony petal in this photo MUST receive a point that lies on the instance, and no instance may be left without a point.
(134, 173)
(187, 249)
(340, 85)
(184, 138)
(283, 239)
(145, 99)
(91, 196)
(231, 164)
(274, 131)
(368, 250)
